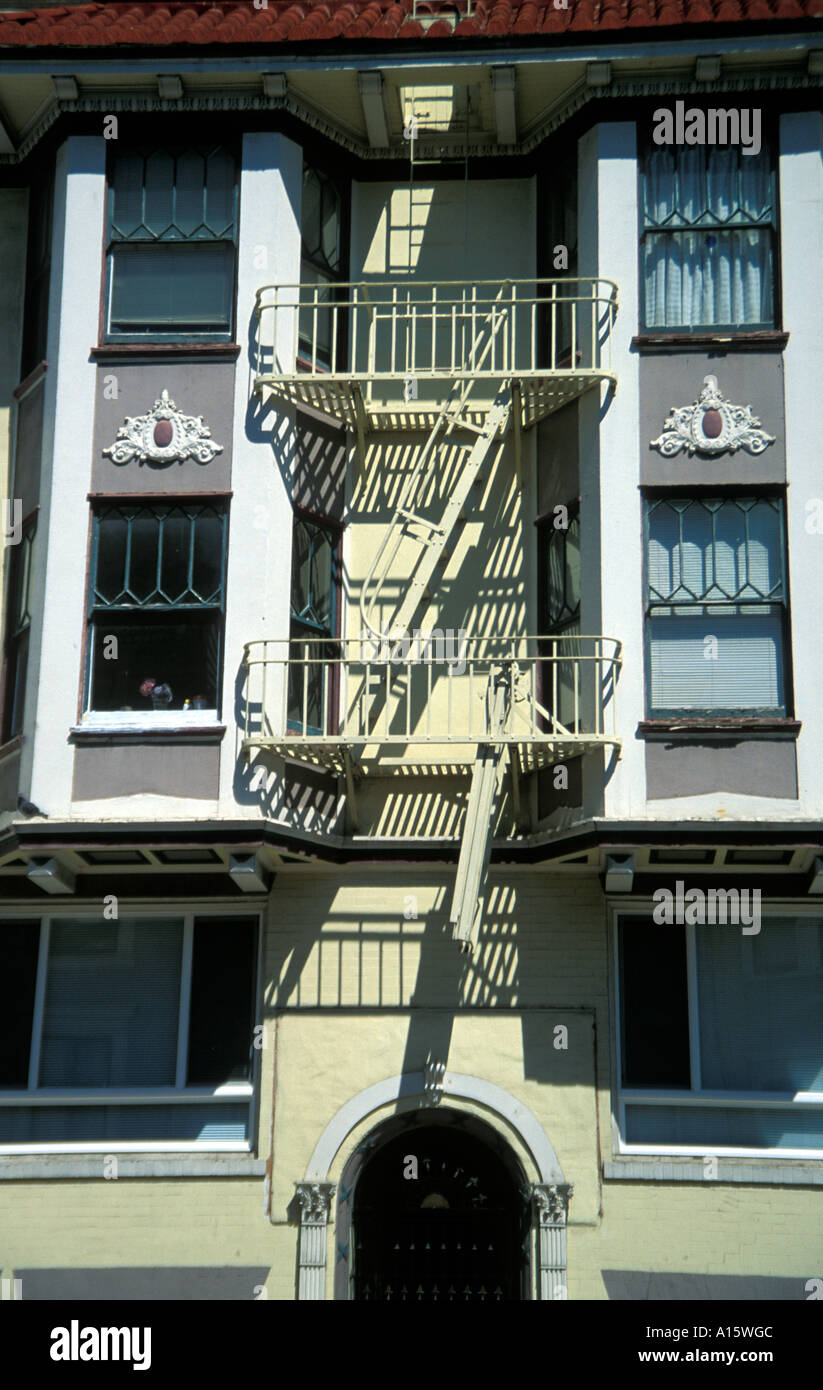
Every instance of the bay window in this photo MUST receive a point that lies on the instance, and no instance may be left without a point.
(717, 606)
(156, 605)
(709, 231)
(172, 231)
(719, 1040)
(133, 1033)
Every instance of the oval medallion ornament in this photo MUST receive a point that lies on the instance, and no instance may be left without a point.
(162, 436)
(712, 424)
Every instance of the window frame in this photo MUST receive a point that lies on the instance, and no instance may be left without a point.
(339, 276)
(650, 497)
(110, 336)
(143, 719)
(12, 727)
(229, 1092)
(336, 529)
(692, 1097)
(769, 142)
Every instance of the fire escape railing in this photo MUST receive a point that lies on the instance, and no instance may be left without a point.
(308, 695)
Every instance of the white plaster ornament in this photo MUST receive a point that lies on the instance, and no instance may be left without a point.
(164, 435)
(711, 425)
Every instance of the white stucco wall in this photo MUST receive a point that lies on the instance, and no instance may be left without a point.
(63, 525)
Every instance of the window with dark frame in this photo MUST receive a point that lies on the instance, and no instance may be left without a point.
(314, 597)
(172, 234)
(717, 618)
(38, 269)
(322, 267)
(709, 239)
(156, 607)
(164, 1003)
(712, 1021)
(18, 624)
(559, 607)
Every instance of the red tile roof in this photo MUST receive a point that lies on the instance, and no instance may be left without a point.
(196, 23)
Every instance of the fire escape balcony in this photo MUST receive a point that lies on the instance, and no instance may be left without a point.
(424, 706)
(381, 355)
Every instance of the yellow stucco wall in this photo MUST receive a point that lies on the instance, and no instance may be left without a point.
(356, 993)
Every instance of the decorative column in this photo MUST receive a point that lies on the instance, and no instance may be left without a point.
(550, 1206)
(315, 1202)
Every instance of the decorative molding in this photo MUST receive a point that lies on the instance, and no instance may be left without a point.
(711, 425)
(550, 1206)
(315, 1203)
(163, 435)
(433, 1074)
(548, 1211)
(796, 79)
(459, 1085)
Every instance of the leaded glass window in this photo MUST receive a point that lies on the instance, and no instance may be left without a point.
(18, 623)
(708, 241)
(322, 232)
(716, 615)
(172, 235)
(314, 587)
(156, 603)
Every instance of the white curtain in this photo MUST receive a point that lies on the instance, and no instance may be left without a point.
(708, 242)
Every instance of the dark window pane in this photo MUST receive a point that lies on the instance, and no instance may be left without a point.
(112, 532)
(221, 1019)
(159, 192)
(220, 187)
(180, 654)
(19, 942)
(191, 169)
(176, 537)
(142, 576)
(17, 660)
(128, 194)
(162, 286)
(207, 573)
(653, 1004)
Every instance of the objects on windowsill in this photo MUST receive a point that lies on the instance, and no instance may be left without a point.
(199, 702)
(161, 695)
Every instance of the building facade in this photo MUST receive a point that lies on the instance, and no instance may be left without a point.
(411, 819)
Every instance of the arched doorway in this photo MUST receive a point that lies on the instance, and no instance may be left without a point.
(440, 1214)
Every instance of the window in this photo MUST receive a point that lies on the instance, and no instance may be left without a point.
(156, 604)
(559, 611)
(171, 243)
(136, 1033)
(314, 589)
(38, 268)
(717, 612)
(709, 239)
(322, 228)
(18, 623)
(720, 1038)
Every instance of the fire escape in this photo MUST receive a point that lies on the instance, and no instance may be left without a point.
(471, 365)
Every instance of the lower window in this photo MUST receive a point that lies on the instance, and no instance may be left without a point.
(720, 1042)
(135, 1033)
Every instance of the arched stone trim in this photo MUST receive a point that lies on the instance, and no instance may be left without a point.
(433, 1083)
(549, 1196)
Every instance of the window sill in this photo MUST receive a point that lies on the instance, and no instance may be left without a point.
(181, 727)
(763, 1171)
(105, 352)
(696, 730)
(763, 338)
(53, 1166)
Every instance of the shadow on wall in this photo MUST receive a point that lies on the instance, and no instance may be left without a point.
(377, 957)
(703, 1288)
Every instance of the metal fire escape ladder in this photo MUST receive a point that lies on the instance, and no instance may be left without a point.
(475, 847)
(406, 523)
